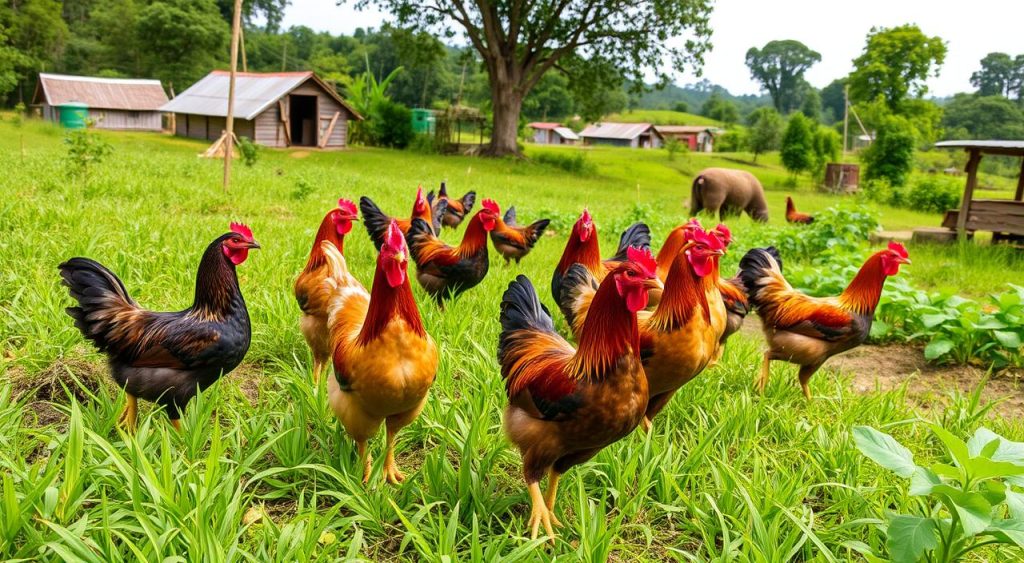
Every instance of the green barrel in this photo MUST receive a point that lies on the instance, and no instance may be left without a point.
(422, 121)
(73, 115)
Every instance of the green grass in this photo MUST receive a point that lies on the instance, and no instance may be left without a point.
(662, 117)
(262, 473)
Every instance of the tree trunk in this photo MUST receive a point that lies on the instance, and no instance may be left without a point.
(506, 103)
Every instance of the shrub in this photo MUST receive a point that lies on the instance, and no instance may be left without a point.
(797, 150)
(836, 234)
(303, 189)
(891, 155)
(85, 149)
(827, 144)
(765, 130)
(249, 150)
(733, 140)
(934, 193)
(674, 146)
(575, 162)
(391, 124)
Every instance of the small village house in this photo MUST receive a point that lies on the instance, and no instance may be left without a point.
(278, 109)
(113, 103)
(634, 135)
(552, 134)
(697, 138)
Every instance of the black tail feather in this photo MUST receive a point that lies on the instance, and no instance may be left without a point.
(575, 279)
(753, 266)
(375, 220)
(417, 231)
(510, 216)
(637, 235)
(521, 309)
(467, 201)
(96, 289)
(538, 227)
(437, 214)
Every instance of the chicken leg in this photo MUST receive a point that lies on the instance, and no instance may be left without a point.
(549, 497)
(176, 423)
(762, 381)
(318, 367)
(805, 379)
(391, 473)
(130, 415)
(364, 456)
(539, 513)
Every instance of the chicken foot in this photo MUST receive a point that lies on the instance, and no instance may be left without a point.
(391, 473)
(539, 513)
(762, 381)
(130, 415)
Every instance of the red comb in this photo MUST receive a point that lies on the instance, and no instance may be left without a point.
(585, 216)
(347, 205)
(242, 229)
(491, 205)
(643, 258)
(700, 236)
(723, 233)
(898, 248)
(394, 238)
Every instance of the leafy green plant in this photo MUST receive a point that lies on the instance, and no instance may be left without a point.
(673, 147)
(965, 506)
(836, 233)
(85, 149)
(575, 162)
(303, 189)
(249, 150)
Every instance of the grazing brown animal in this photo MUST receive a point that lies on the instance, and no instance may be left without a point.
(724, 191)
(794, 216)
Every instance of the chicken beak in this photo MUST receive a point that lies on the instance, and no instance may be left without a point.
(718, 252)
(905, 261)
(654, 283)
(252, 244)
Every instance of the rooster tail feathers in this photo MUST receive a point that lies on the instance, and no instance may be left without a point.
(577, 283)
(467, 201)
(437, 214)
(638, 235)
(430, 197)
(755, 266)
(510, 216)
(336, 266)
(375, 220)
(419, 231)
(537, 229)
(521, 309)
(101, 298)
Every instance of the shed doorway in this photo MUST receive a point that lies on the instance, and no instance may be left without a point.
(302, 114)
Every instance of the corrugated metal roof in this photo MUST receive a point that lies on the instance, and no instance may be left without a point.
(681, 129)
(254, 93)
(989, 144)
(544, 125)
(627, 131)
(103, 93)
(566, 133)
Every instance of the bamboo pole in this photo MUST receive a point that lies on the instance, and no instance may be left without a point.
(236, 26)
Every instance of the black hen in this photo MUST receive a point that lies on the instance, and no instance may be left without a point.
(166, 357)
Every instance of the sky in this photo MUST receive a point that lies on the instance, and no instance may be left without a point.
(835, 29)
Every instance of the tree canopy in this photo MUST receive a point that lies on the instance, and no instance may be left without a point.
(1000, 75)
(983, 117)
(780, 66)
(519, 42)
(895, 64)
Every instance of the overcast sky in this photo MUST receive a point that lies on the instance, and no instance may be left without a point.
(835, 29)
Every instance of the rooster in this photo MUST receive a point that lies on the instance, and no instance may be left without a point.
(384, 360)
(166, 357)
(583, 247)
(513, 241)
(807, 331)
(794, 216)
(377, 222)
(456, 209)
(309, 285)
(445, 271)
(682, 336)
(565, 405)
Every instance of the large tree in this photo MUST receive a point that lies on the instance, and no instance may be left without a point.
(520, 41)
(983, 117)
(1000, 75)
(895, 64)
(780, 66)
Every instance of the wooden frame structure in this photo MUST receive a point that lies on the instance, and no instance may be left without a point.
(1003, 217)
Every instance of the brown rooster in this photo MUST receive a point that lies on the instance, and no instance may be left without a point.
(309, 286)
(377, 222)
(807, 331)
(446, 271)
(384, 360)
(566, 405)
(794, 216)
(513, 241)
(456, 209)
(682, 336)
(166, 357)
(583, 247)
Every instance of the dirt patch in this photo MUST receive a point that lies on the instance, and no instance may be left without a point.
(55, 384)
(888, 367)
(299, 154)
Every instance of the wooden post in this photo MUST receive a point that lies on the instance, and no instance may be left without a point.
(972, 182)
(1019, 196)
(236, 26)
(241, 47)
(330, 129)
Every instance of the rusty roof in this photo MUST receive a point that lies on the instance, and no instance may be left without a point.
(103, 93)
(254, 93)
(544, 125)
(626, 131)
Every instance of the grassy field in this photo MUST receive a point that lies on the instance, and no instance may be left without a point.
(262, 472)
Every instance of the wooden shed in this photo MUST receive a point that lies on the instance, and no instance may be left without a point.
(276, 109)
(697, 138)
(634, 135)
(552, 134)
(114, 103)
